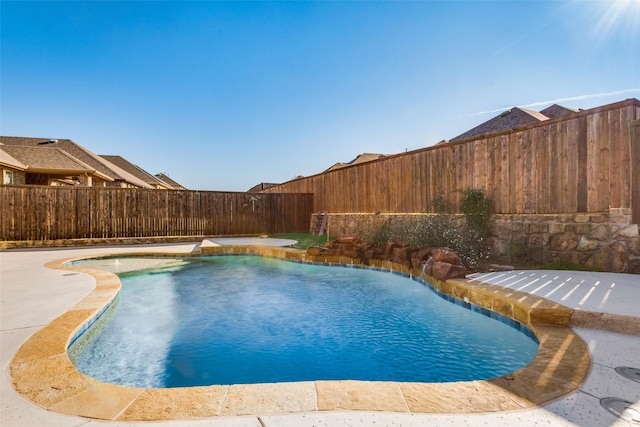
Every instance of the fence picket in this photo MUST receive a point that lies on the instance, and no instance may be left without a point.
(30, 212)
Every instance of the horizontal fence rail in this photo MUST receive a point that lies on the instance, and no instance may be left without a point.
(50, 213)
(582, 162)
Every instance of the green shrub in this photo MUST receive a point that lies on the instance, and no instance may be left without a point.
(440, 205)
(438, 230)
(476, 209)
(380, 236)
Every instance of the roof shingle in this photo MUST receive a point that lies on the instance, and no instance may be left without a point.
(91, 159)
(509, 119)
(170, 181)
(135, 170)
(44, 159)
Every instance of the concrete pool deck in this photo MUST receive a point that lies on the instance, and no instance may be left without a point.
(33, 296)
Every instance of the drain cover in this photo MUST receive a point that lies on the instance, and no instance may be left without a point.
(622, 409)
(631, 373)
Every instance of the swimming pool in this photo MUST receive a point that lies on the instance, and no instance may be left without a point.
(248, 319)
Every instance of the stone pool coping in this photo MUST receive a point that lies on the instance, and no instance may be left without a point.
(42, 372)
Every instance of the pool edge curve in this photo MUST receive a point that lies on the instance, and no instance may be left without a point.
(41, 371)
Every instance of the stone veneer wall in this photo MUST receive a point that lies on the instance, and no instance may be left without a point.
(348, 224)
(605, 240)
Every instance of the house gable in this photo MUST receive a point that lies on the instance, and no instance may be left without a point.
(8, 161)
(117, 176)
(136, 171)
(261, 187)
(362, 158)
(174, 185)
(555, 111)
(11, 169)
(51, 166)
(513, 118)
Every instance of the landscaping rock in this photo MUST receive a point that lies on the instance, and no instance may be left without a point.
(349, 252)
(634, 266)
(444, 271)
(612, 258)
(500, 267)
(402, 252)
(315, 251)
(351, 240)
(619, 258)
(442, 263)
(446, 255)
(601, 232)
(587, 245)
(566, 241)
(629, 231)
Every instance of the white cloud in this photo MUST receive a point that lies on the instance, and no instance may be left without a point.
(560, 100)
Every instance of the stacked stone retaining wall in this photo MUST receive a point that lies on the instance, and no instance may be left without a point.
(349, 224)
(607, 241)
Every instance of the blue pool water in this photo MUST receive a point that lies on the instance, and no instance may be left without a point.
(249, 319)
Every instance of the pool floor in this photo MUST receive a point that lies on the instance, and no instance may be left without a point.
(250, 319)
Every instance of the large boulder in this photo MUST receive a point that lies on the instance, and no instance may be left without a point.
(612, 258)
(446, 255)
(347, 246)
(402, 252)
(566, 241)
(444, 270)
(420, 257)
(445, 264)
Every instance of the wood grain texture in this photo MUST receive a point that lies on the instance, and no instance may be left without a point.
(574, 163)
(50, 213)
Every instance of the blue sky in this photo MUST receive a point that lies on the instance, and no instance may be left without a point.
(225, 95)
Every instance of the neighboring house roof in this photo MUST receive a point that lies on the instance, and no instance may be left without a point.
(50, 160)
(509, 119)
(7, 160)
(135, 170)
(556, 110)
(94, 161)
(170, 181)
(362, 158)
(261, 186)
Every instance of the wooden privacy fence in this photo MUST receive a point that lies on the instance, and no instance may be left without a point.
(583, 162)
(50, 213)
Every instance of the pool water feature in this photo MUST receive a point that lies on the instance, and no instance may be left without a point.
(249, 319)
